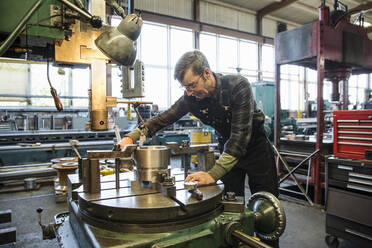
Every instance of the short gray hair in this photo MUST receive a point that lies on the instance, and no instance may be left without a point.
(194, 59)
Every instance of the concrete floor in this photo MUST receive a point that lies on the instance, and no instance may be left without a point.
(305, 225)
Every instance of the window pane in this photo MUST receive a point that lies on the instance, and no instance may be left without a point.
(154, 44)
(181, 42)
(284, 98)
(208, 47)
(292, 95)
(352, 95)
(176, 90)
(311, 87)
(156, 87)
(248, 55)
(353, 80)
(268, 58)
(311, 75)
(80, 86)
(228, 55)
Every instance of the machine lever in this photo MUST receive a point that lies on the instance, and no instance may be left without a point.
(53, 91)
(48, 230)
(57, 102)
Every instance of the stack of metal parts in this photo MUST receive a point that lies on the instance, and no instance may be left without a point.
(64, 166)
(153, 207)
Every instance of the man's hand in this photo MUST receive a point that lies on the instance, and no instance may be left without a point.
(202, 177)
(125, 141)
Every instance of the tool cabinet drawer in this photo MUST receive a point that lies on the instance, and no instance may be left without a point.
(352, 133)
(349, 205)
(351, 231)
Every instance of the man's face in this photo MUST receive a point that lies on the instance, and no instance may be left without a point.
(196, 85)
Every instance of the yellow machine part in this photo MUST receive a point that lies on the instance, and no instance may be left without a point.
(198, 138)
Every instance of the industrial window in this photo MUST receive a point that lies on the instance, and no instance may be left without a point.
(181, 41)
(268, 62)
(291, 87)
(14, 77)
(230, 55)
(358, 84)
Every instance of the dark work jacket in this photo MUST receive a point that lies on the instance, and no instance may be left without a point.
(231, 111)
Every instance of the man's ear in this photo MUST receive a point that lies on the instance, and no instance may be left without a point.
(207, 71)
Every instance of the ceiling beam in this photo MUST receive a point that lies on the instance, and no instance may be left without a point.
(274, 6)
(267, 10)
(360, 8)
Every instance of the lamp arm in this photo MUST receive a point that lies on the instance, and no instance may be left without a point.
(117, 7)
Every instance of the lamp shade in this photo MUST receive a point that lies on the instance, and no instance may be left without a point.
(119, 43)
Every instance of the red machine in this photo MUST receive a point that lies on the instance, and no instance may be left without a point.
(337, 49)
(352, 133)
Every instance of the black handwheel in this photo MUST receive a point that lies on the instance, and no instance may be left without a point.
(331, 241)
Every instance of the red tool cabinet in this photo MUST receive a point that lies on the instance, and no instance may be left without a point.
(352, 133)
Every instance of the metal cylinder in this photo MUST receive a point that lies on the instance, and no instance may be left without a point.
(151, 160)
(30, 183)
(99, 119)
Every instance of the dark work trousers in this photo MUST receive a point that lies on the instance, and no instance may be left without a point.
(259, 165)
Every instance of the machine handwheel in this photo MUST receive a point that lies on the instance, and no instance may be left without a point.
(331, 241)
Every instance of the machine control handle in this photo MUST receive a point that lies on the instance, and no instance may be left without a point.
(57, 102)
(48, 230)
(197, 194)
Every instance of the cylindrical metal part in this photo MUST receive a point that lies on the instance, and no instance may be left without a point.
(30, 183)
(152, 157)
(151, 160)
(248, 240)
(99, 119)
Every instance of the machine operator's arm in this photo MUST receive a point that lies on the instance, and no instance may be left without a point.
(150, 127)
(241, 131)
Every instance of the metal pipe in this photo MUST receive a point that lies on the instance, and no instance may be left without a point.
(18, 29)
(130, 7)
(76, 8)
(248, 240)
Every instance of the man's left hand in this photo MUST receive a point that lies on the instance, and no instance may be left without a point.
(202, 177)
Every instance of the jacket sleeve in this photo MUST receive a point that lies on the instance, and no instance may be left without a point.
(168, 117)
(242, 111)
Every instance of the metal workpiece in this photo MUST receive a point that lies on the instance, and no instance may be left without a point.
(152, 157)
(151, 161)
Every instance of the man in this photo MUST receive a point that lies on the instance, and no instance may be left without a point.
(226, 103)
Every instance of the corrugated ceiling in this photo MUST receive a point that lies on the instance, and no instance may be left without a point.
(300, 12)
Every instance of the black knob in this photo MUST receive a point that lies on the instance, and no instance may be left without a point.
(39, 210)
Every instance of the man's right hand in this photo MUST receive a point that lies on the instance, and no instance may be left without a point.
(125, 141)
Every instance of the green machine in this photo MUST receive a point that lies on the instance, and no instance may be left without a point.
(264, 94)
(154, 207)
(42, 24)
